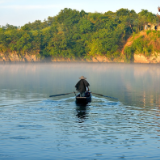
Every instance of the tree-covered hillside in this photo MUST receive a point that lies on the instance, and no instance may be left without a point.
(73, 34)
(145, 43)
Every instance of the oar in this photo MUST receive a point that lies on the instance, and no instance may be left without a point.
(105, 96)
(61, 94)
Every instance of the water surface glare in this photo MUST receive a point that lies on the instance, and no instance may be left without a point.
(34, 126)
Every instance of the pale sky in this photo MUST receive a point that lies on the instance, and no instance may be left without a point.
(20, 12)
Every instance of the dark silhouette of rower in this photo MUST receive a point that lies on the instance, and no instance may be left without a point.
(82, 86)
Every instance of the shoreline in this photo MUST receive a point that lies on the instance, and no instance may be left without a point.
(73, 62)
(35, 58)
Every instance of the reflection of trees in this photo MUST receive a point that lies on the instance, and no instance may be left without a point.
(132, 84)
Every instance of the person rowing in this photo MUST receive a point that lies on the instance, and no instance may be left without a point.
(82, 86)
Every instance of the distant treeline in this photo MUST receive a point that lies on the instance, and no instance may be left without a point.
(74, 34)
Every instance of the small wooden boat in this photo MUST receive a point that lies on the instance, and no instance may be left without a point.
(83, 100)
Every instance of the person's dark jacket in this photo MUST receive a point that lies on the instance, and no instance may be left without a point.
(81, 85)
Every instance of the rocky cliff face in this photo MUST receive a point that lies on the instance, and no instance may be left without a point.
(139, 58)
(14, 57)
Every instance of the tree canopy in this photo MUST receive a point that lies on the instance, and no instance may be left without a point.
(75, 34)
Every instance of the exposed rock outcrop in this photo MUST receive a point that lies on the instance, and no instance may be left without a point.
(14, 57)
(139, 58)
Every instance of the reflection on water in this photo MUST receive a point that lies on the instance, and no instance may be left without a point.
(132, 84)
(82, 112)
(34, 126)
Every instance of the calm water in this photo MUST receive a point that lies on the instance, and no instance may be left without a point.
(34, 126)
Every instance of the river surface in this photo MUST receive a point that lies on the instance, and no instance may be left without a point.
(34, 126)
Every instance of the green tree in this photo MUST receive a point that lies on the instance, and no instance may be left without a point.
(85, 25)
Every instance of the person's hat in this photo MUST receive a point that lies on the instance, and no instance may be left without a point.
(82, 77)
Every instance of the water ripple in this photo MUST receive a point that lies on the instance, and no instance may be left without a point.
(101, 129)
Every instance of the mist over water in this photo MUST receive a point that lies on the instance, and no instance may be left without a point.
(132, 84)
(34, 126)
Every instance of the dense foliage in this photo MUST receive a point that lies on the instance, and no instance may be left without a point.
(145, 44)
(74, 34)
